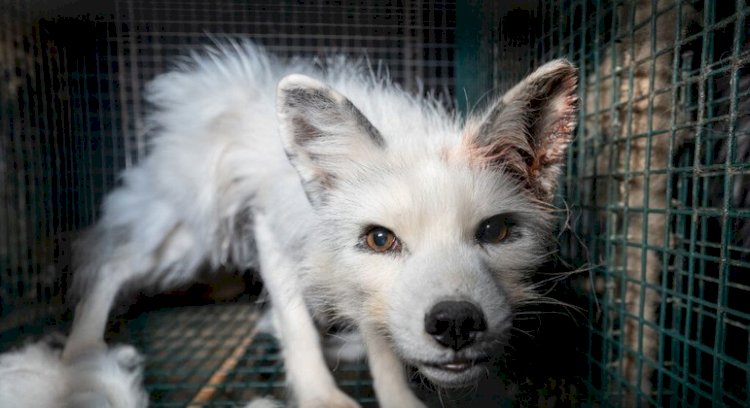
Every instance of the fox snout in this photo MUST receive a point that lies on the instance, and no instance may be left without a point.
(455, 324)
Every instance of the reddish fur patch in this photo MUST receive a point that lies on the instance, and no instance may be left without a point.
(503, 153)
(533, 161)
(555, 142)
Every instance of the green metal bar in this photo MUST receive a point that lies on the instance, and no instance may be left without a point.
(679, 279)
(709, 40)
(622, 235)
(473, 67)
(646, 198)
(607, 341)
(594, 306)
(720, 334)
(695, 218)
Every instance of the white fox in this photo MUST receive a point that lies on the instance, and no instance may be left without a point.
(352, 198)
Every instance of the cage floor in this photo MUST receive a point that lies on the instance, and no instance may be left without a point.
(213, 356)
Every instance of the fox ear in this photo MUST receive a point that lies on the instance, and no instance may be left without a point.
(324, 135)
(528, 130)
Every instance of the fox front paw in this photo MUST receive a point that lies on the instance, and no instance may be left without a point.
(109, 378)
(333, 399)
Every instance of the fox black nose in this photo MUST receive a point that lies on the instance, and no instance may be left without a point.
(455, 324)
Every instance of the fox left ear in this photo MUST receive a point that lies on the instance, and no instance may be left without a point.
(325, 136)
(528, 130)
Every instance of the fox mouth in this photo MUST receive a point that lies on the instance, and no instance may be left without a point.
(454, 373)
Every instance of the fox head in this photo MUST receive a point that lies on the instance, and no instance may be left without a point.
(430, 239)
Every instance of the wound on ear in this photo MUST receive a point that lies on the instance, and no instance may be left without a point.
(526, 132)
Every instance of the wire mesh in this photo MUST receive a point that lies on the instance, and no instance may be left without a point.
(657, 184)
(72, 104)
(414, 40)
(213, 356)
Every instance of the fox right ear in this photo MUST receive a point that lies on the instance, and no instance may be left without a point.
(527, 131)
(326, 138)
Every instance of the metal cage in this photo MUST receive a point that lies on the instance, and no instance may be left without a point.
(655, 201)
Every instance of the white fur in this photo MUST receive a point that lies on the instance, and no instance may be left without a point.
(218, 189)
(264, 403)
(341, 347)
(35, 377)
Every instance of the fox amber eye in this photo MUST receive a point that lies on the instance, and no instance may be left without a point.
(380, 239)
(493, 230)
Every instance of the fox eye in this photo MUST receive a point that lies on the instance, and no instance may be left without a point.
(493, 230)
(381, 239)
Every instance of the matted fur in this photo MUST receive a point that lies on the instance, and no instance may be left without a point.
(35, 377)
(289, 179)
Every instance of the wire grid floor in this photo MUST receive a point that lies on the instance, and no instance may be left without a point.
(212, 356)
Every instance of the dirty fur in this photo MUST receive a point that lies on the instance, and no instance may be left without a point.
(635, 114)
(34, 376)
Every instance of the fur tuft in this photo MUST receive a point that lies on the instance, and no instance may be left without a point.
(264, 403)
(35, 377)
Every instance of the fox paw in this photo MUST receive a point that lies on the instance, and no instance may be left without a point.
(106, 378)
(333, 399)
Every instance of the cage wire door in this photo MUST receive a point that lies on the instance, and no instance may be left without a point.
(655, 197)
(657, 187)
